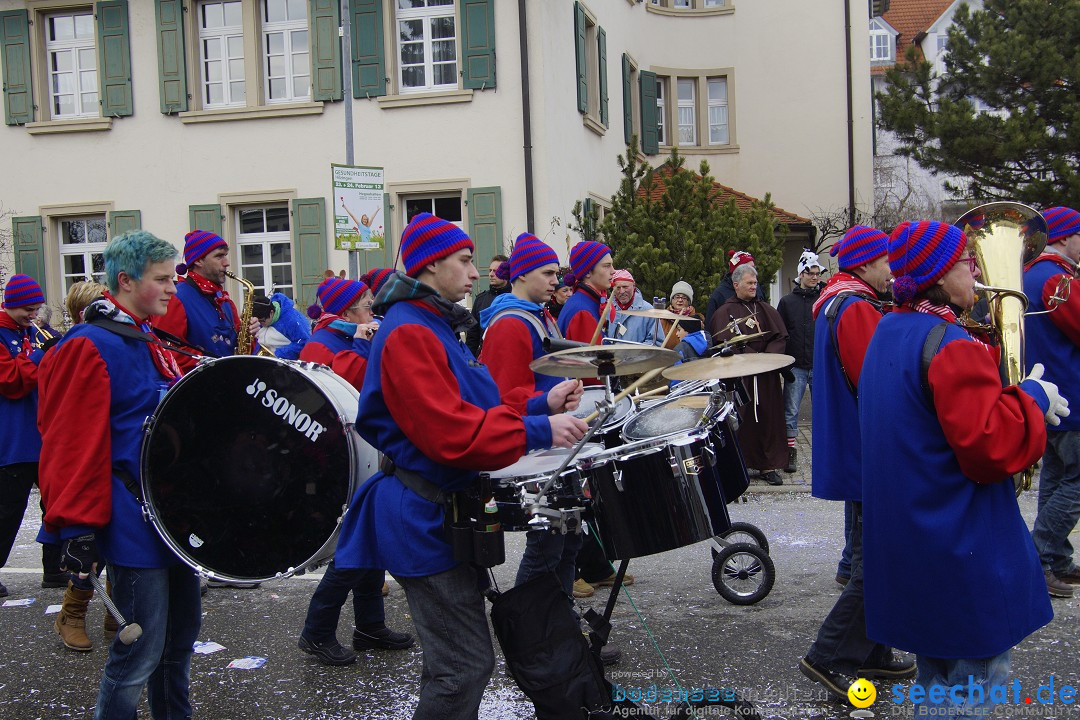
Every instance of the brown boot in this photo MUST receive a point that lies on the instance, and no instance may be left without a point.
(71, 622)
(111, 626)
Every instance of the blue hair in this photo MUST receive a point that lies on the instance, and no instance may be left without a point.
(131, 253)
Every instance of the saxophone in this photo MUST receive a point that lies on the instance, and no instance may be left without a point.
(244, 340)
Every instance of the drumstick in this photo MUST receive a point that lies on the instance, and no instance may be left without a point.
(650, 393)
(633, 386)
(600, 324)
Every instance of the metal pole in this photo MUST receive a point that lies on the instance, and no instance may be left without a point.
(346, 91)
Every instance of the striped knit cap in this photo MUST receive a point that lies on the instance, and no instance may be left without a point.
(1061, 223)
(920, 253)
(336, 295)
(530, 253)
(584, 256)
(22, 290)
(375, 278)
(197, 245)
(428, 239)
(737, 258)
(859, 246)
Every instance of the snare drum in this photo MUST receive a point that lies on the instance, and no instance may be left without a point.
(608, 434)
(532, 471)
(663, 489)
(249, 463)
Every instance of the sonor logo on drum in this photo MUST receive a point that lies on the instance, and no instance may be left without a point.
(283, 407)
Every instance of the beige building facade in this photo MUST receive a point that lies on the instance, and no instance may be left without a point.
(227, 114)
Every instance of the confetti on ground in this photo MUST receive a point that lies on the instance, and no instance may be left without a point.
(205, 648)
(247, 663)
(52, 609)
(19, 603)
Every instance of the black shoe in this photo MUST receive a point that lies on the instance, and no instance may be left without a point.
(384, 639)
(3, 590)
(792, 460)
(836, 683)
(772, 477)
(232, 584)
(892, 669)
(330, 652)
(610, 655)
(843, 580)
(54, 580)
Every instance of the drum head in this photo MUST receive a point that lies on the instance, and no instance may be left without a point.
(541, 463)
(247, 465)
(669, 416)
(592, 396)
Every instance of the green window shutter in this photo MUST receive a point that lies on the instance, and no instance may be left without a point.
(601, 53)
(478, 44)
(114, 58)
(579, 55)
(29, 235)
(172, 69)
(205, 217)
(627, 100)
(485, 227)
(309, 244)
(325, 50)
(15, 49)
(650, 133)
(586, 218)
(368, 53)
(122, 221)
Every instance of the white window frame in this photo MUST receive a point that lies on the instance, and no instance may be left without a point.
(288, 30)
(720, 106)
(86, 250)
(426, 15)
(459, 195)
(223, 35)
(74, 46)
(881, 42)
(265, 240)
(684, 105)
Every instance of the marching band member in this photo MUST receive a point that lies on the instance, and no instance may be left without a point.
(97, 387)
(345, 314)
(282, 328)
(436, 415)
(352, 362)
(951, 573)
(590, 275)
(845, 315)
(1053, 340)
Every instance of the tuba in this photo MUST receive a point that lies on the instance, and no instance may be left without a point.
(1005, 236)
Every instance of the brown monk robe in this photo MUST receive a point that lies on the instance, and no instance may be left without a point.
(762, 434)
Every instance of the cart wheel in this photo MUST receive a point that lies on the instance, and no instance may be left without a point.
(743, 532)
(743, 573)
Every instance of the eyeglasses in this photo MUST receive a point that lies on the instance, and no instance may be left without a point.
(812, 274)
(970, 261)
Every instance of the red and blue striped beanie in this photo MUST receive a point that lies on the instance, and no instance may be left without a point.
(530, 253)
(336, 295)
(920, 253)
(428, 239)
(22, 290)
(584, 256)
(197, 245)
(1061, 223)
(375, 278)
(860, 245)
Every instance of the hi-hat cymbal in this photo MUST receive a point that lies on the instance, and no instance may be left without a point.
(656, 313)
(587, 362)
(720, 368)
(736, 339)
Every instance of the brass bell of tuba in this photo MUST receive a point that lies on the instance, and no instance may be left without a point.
(1004, 236)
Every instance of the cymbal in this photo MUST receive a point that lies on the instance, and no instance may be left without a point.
(656, 313)
(736, 339)
(586, 362)
(729, 367)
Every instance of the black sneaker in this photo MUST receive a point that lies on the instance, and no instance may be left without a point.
(842, 580)
(772, 477)
(54, 580)
(383, 639)
(892, 669)
(836, 683)
(792, 460)
(330, 652)
(610, 655)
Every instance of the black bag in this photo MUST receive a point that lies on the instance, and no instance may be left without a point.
(546, 653)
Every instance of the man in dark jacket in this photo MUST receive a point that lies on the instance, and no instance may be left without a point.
(726, 288)
(474, 337)
(796, 308)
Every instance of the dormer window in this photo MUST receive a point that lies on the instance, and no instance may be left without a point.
(882, 42)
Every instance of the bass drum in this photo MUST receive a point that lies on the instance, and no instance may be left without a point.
(249, 463)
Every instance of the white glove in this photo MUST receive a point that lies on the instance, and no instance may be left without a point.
(1059, 406)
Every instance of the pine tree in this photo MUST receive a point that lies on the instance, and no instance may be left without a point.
(1020, 59)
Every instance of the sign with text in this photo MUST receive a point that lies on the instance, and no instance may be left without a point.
(358, 204)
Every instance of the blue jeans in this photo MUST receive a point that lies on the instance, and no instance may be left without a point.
(324, 610)
(974, 677)
(448, 613)
(1059, 501)
(547, 551)
(843, 568)
(167, 604)
(793, 395)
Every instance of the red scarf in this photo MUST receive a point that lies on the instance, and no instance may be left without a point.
(9, 322)
(217, 294)
(842, 282)
(165, 364)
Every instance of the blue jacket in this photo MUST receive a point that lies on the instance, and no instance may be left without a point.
(208, 328)
(18, 415)
(631, 327)
(1045, 342)
(293, 325)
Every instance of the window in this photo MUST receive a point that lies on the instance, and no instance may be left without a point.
(688, 5)
(687, 112)
(265, 244)
(661, 110)
(718, 111)
(72, 59)
(285, 49)
(881, 42)
(427, 45)
(82, 242)
(447, 207)
(590, 46)
(221, 49)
